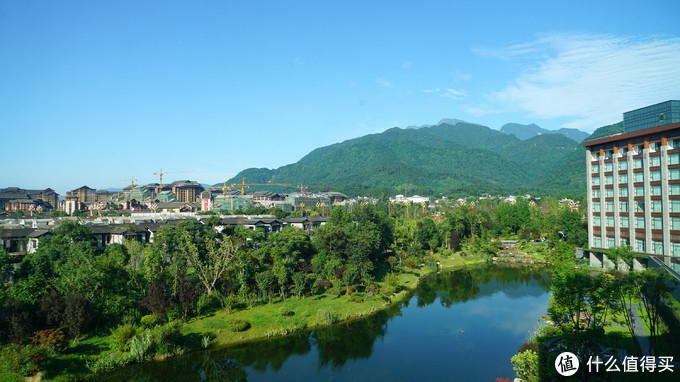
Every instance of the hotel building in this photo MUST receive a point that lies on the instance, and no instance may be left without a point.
(633, 184)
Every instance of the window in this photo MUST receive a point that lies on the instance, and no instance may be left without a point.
(655, 161)
(623, 178)
(610, 206)
(596, 193)
(623, 165)
(640, 244)
(597, 242)
(656, 205)
(595, 168)
(637, 163)
(596, 207)
(675, 189)
(623, 192)
(596, 181)
(656, 190)
(610, 221)
(623, 151)
(611, 242)
(674, 158)
(608, 154)
(597, 221)
(657, 222)
(658, 247)
(610, 192)
(609, 166)
(674, 174)
(655, 175)
(656, 146)
(608, 179)
(639, 177)
(596, 156)
(675, 223)
(675, 205)
(623, 206)
(675, 249)
(639, 206)
(624, 221)
(625, 242)
(640, 191)
(639, 222)
(640, 148)
(675, 143)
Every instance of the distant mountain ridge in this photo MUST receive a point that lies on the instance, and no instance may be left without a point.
(528, 131)
(458, 159)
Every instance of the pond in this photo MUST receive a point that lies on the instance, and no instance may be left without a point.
(463, 325)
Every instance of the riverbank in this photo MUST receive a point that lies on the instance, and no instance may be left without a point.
(265, 321)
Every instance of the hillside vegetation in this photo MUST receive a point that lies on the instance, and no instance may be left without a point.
(464, 159)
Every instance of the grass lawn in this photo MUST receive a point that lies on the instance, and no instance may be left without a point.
(265, 320)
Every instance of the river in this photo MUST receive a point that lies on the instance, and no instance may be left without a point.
(462, 326)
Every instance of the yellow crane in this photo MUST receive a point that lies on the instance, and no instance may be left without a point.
(303, 187)
(160, 173)
(243, 185)
(131, 180)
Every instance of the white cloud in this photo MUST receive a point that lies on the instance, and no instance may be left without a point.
(454, 94)
(592, 79)
(447, 93)
(383, 83)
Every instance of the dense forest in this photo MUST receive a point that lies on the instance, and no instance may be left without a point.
(68, 288)
(451, 160)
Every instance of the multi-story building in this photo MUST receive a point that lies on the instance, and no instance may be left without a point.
(186, 190)
(633, 184)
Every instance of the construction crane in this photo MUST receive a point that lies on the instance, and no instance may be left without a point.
(224, 188)
(243, 185)
(131, 180)
(303, 187)
(160, 173)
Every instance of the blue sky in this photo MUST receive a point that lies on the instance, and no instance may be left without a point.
(93, 91)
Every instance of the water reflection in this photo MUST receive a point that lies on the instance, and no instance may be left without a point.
(350, 351)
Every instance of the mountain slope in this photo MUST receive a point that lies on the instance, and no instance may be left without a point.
(528, 131)
(461, 159)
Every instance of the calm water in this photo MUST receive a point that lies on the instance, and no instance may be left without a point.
(462, 326)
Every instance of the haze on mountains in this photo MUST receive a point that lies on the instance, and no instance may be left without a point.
(451, 159)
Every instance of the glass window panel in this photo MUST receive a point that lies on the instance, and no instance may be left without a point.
(610, 192)
(674, 158)
(675, 205)
(655, 175)
(597, 242)
(623, 165)
(657, 222)
(623, 206)
(611, 242)
(658, 247)
(639, 177)
(674, 174)
(656, 190)
(596, 193)
(597, 220)
(639, 206)
(624, 221)
(623, 178)
(675, 189)
(595, 168)
(623, 192)
(656, 205)
(609, 179)
(639, 222)
(675, 223)
(596, 181)
(596, 207)
(655, 161)
(640, 244)
(637, 163)
(610, 221)
(610, 206)
(640, 191)
(609, 166)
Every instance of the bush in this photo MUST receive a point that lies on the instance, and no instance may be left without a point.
(526, 365)
(286, 312)
(20, 360)
(239, 326)
(327, 317)
(121, 337)
(392, 281)
(322, 285)
(50, 338)
(356, 298)
(529, 345)
(411, 263)
(148, 321)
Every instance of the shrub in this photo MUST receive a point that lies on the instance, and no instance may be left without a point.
(373, 289)
(327, 317)
(529, 345)
(149, 321)
(121, 337)
(131, 317)
(140, 346)
(239, 326)
(392, 281)
(526, 365)
(286, 312)
(50, 338)
(22, 360)
(356, 298)
(322, 285)
(411, 263)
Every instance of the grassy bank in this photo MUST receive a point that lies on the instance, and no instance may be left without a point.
(280, 317)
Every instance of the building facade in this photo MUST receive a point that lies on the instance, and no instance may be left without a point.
(633, 184)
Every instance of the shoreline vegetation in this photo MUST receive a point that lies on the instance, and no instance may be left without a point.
(72, 310)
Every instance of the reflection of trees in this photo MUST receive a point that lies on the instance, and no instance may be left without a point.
(274, 353)
(465, 284)
(338, 344)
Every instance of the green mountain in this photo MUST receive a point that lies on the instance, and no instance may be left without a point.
(464, 159)
(528, 131)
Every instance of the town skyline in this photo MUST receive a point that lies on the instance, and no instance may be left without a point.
(103, 92)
